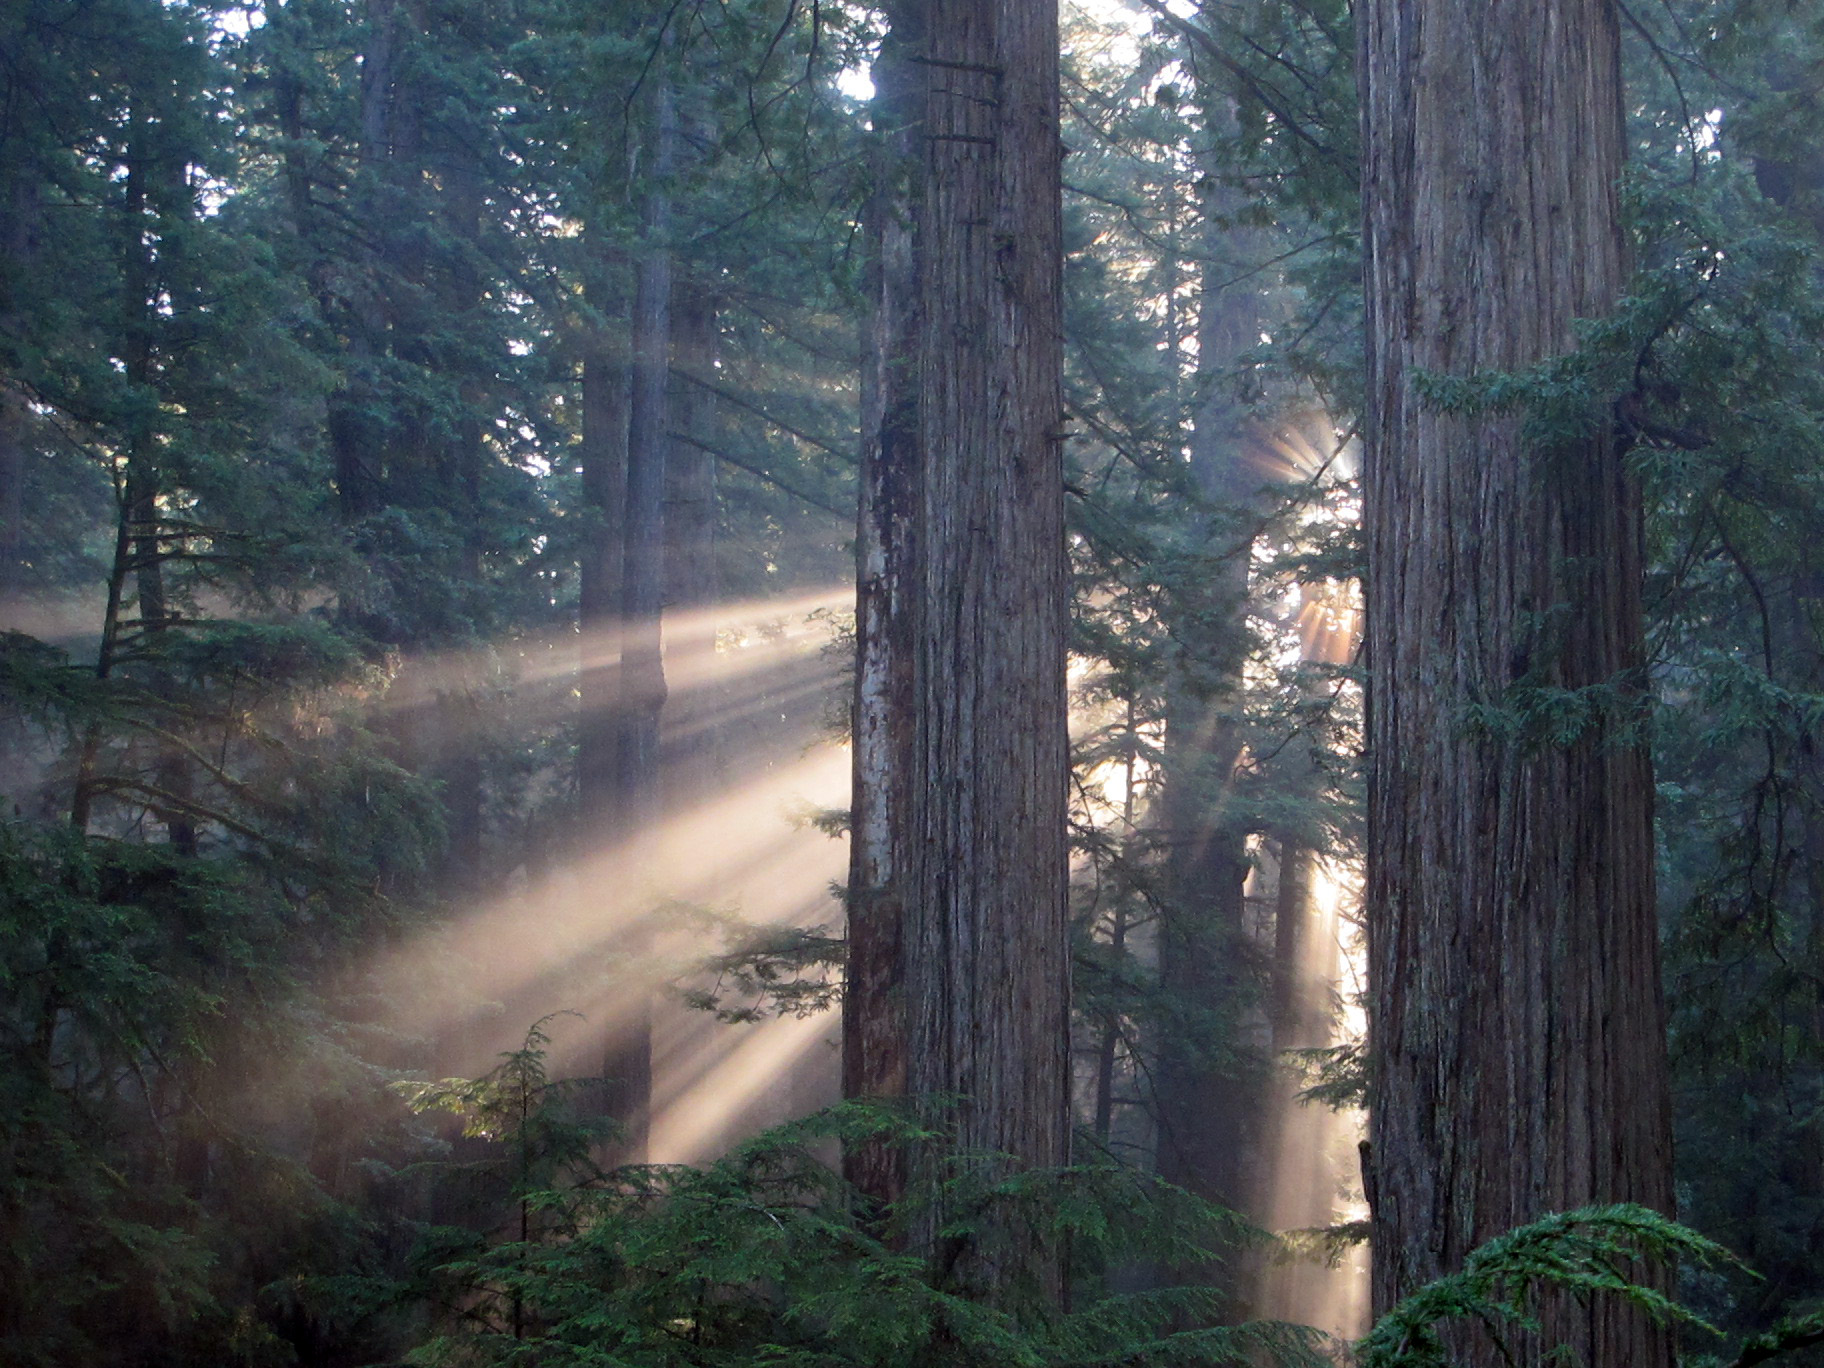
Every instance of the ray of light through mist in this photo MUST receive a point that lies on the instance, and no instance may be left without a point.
(752, 638)
(613, 929)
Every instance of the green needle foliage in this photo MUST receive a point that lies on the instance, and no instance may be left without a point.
(764, 1257)
(1593, 1251)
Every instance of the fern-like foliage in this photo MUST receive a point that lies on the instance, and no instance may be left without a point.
(1593, 1251)
(768, 1257)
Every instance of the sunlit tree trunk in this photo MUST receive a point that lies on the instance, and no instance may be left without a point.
(692, 754)
(1109, 1030)
(1519, 1058)
(969, 443)
(874, 1040)
(1293, 1005)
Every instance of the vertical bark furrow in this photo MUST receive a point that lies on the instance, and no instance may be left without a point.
(961, 760)
(1517, 1022)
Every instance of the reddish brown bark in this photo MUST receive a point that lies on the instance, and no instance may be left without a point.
(969, 584)
(1519, 1059)
(874, 1040)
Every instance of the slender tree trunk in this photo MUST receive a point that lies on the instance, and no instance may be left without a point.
(969, 408)
(82, 791)
(1294, 1008)
(1207, 1100)
(692, 758)
(604, 460)
(603, 455)
(19, 227)
(1519, 1055)
(874, 1040)
(357, 438)
(642, 666)
(462, 459)
(154, 184)
(648, 441)
(1107, 1045)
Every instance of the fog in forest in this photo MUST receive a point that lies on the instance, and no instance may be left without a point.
(921, 685)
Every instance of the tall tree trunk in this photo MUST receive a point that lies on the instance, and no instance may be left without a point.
(648, 440)
(19, 228)
(1295, 1004)
(628, 1068)
(1519, 1056)
(604, 460)
(874, 1040)
(1109, 1038)
(154, 184)
(357, 439)
(1206, 1097)
(970, 408)
(691, 763)
(461, 461)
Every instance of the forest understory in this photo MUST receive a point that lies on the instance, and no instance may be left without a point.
(934, 685)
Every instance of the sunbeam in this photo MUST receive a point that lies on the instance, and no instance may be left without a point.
(752, 636)
(735, 1091)
(1314, 1181)
(695, 858)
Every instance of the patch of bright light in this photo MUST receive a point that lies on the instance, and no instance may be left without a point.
(856, 82)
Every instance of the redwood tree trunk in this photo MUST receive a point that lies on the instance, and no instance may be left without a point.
(969, 415)
(874, 1039)
(1519, 1057)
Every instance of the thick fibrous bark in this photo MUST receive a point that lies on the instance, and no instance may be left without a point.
(986, 968)
(968, 443)
(1519, 1062)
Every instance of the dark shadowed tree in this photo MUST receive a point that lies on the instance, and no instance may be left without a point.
(1519, 1060)
(1207, 1094)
